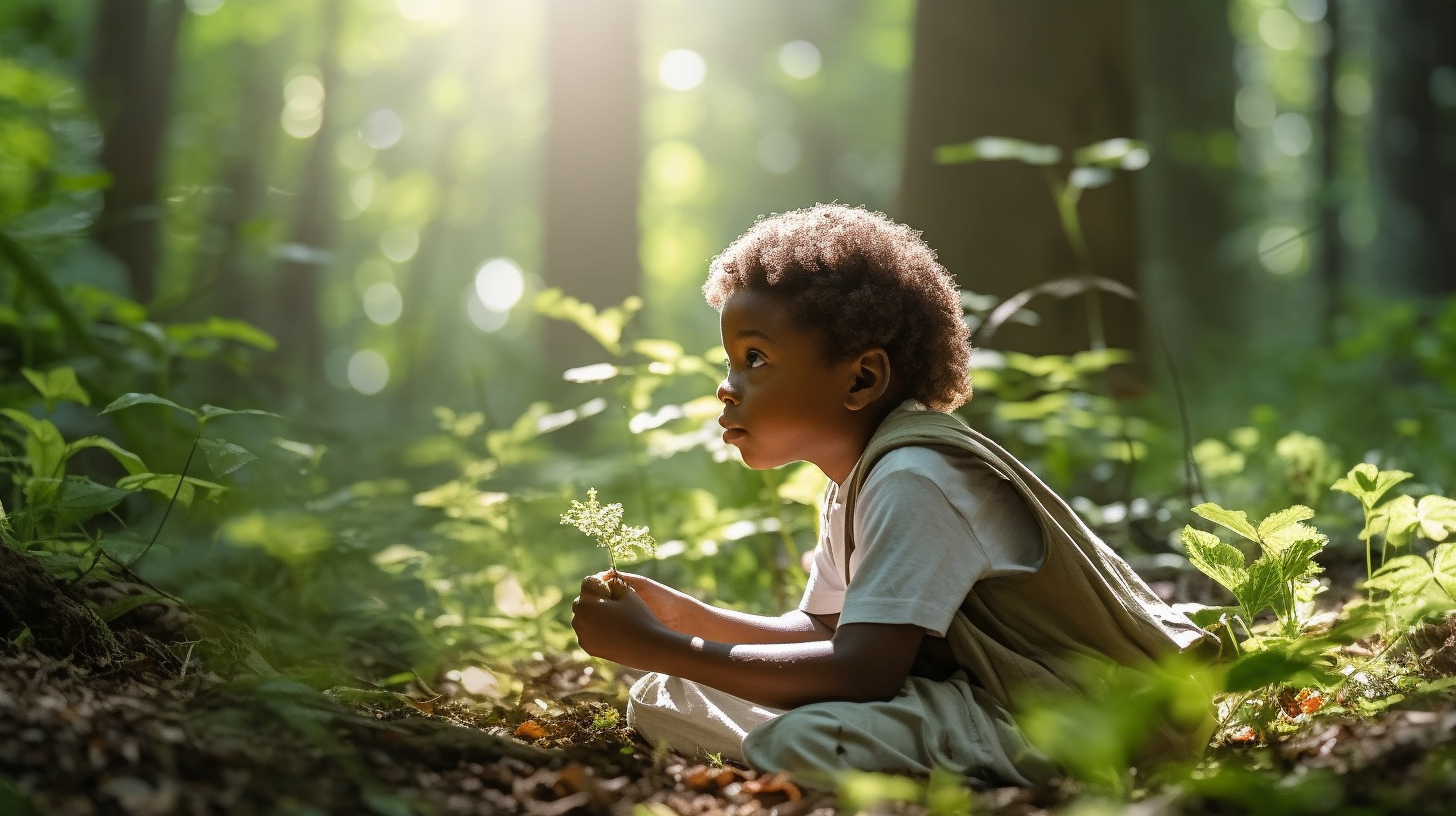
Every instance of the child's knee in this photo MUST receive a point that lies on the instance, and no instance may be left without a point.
(802, 740)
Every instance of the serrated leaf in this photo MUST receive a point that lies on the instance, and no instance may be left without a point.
(126, 458)
(1443, 568)
(1368, 483)
(1297, 561)
(1405, 575)
(1397, 519)
(56, 385)
(1295, 533)
(1235, 520)
(1218, 560)
(72, 500)
(223, 457)
(1299, 665)
(128, 400)
(1275, 522)
(1263, 590)
(1436, 517)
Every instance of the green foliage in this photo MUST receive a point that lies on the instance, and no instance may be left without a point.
(604, 524)
(943, 793)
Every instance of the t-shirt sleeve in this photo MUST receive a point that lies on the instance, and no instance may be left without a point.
(824, 594)
(920, 557)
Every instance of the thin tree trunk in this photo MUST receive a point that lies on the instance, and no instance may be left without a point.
(1414, 165)
(1331, 245)
(130, 80)
(592, 160)
(300, 271)
(1054, 72)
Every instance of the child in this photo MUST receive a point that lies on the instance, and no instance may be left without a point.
(948, 580)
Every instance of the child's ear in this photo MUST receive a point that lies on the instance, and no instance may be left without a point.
(871, 379)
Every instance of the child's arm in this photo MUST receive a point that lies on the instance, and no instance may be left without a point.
(862, 661)
(683, 613)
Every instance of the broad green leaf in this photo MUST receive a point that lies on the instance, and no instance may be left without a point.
(213, 412)
(1296, 533)
(993, 148)
(1368, 483)
(1297, 560)
(167, 484)
(1218, 560)
(1405, 576)
(128, 400)
(1397, 519)
(126, 458)
(44, 445)
(1236, 520)
(1275, 522)
(72, 500)
(223, 457)
(56, 385)
(1443, 568)
(1297, 665)
(125, 605)
(1437, 517)
(241, 331)
(663, 351)
(1263, 590)
(605, 326)
(124, 547)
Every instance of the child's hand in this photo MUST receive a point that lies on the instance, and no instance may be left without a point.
(611, 620)
(670, 606)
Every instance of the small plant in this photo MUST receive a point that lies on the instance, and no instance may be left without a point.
(605, 525)
(1279, 578)
(1398, 520)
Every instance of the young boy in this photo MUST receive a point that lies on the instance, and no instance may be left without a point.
(947, 581)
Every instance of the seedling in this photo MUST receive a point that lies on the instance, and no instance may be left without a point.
(605, 525)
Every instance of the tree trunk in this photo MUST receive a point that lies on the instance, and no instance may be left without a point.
(1055, 72)
(1415, 128)
(1192, 288)
(592, 160)
(62, 627)
(308, 252)
(1330, 259)
(130, 81)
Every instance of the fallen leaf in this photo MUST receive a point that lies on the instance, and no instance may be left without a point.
(1309, 701)
(530, 730)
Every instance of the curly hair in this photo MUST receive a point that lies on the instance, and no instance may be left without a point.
(866, 282)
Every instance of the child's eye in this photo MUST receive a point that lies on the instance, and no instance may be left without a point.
(753, 358)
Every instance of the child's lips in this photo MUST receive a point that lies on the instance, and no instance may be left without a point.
(731, 433)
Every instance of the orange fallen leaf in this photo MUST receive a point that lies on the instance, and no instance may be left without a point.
(1243, 736)
(772, 783)
(530, 730)
(1309, 701)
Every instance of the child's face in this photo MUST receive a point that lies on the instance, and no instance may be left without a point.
(782, 400)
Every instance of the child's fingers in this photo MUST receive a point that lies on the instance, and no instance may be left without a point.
(595, 586)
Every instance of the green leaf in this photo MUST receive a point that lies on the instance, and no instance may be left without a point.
(1236, 520)
(1299, 665)
(126, 458)
(56, 385)
(994, 148)
(605, 327)
(1263, 590)
(1218, 560)
(127, 604)
(1297, 560)
(128, 400)
(124, 548)
(1368, 483)
(1126, 154)
(1275, 522)
(1296, 533)
(72, 500)
(1443, 568)
(1405, 576)
(223, 457)
(1397, 519)
(242, 332)
(1436, 517)
(44, 445)
(167, 485)
(213, 412)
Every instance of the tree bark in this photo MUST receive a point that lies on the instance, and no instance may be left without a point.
(1056, 72)
(62, 627)
(592, 160)
(1415, 145)
(130, 81)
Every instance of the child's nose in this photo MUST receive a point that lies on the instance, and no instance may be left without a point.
(725, 393)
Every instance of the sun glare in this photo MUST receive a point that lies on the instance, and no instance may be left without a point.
(681, 69)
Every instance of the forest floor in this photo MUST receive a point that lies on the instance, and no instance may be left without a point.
(153, 733)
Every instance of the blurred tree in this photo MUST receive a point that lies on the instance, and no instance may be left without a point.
(1007, 68)
(1330, 256)
(1415, 144)
(295, 314)
(130, 81)
(592, 161)
(1186, 86)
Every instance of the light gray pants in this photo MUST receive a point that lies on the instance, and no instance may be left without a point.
(930, 724)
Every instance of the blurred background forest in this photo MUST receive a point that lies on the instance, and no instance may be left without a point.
(397, 223)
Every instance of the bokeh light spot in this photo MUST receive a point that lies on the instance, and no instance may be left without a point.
(681, 69)
(1254, 105)
(383, 303)
(1281, 249)
(303, 106)
(399, 244)
(484, 319)
(499, 284)
(1279, 29)
(778, 152)
(1353, 94)
(382, 129)
(202, 8)
(800, 59)
(1292, 134)
(676, 168)
(368, 371)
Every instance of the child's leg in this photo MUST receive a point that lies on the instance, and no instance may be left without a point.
(930, 724)
(690, 717)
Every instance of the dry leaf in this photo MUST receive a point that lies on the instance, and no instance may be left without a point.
(530, 730)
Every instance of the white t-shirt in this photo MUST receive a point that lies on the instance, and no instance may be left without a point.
(929, 523)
